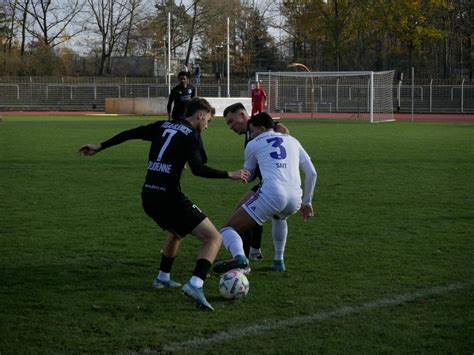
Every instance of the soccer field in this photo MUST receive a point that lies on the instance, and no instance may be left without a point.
(386, 265)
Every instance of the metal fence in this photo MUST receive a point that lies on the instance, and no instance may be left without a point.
(435, 97)
(89, 93)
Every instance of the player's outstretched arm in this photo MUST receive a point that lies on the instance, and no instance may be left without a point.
(89, 149)
(241, 174)
(142, 132)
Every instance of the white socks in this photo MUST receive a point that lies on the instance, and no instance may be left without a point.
(196, 282)
(279, 234)
(254, 251)
(232, 241)
(163, 276)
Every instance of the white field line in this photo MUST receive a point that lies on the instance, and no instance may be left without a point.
(313, 318)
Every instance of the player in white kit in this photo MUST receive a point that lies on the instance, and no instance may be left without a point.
(279, 158)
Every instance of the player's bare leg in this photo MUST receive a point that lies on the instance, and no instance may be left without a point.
(240, 221)
(252, 239)
(211, 238)
(171, 245)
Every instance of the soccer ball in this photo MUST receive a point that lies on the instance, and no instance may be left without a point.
(233, 285)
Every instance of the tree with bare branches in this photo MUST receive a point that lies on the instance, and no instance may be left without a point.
(52, 20)
(111, 19)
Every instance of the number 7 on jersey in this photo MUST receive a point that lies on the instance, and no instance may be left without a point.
(168, 133)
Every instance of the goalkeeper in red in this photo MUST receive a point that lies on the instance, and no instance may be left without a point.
(259, 99)
(280, 158)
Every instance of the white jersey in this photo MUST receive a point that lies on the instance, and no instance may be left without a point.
(279, 158)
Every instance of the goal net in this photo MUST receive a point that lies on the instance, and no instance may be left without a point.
(347, 95)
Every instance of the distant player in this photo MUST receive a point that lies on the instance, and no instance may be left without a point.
(173, 143)
(280, 158)
(180, 95)
(259, 99)
(237, 119)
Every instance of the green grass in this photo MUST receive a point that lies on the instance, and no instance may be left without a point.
(394, 215)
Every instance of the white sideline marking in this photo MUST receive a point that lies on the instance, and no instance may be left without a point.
(311, 318)
(103, 114)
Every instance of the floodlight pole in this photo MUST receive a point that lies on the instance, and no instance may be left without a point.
(169, 53)
(228, 59)
(293, 65)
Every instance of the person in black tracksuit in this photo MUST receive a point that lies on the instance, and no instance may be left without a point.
(173, 144)
(180, 95)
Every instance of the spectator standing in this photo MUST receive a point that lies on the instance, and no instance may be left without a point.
(218, 77)
(197, 74)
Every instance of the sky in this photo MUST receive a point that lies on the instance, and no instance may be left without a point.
(84, 42)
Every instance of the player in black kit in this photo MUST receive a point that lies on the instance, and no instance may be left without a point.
(180, 96)
(173, 143)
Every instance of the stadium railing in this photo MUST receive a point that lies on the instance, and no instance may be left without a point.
(89, 93)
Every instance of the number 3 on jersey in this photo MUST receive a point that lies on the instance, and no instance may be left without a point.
(276, 142)
(168, 133)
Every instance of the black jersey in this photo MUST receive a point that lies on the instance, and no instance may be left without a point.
(247, 136)
(180, 96)
(247, 140)
(173, 143)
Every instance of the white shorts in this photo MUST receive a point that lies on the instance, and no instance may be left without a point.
(279, 203)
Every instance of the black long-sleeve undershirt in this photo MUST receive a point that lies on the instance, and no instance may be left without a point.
(197, 160)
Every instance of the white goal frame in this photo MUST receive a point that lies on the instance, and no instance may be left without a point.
(365, 95)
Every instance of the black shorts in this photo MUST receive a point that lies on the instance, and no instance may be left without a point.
(176, 213)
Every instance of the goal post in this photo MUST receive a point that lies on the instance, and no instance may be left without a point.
(364, 95)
